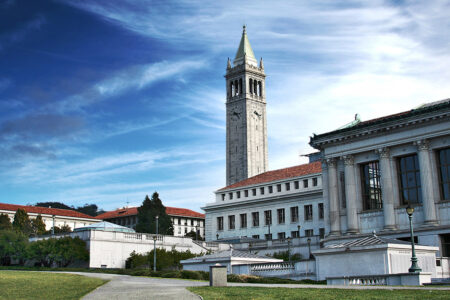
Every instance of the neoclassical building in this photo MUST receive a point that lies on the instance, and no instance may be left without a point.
(372, 170)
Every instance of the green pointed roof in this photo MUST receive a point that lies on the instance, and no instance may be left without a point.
(244, 50)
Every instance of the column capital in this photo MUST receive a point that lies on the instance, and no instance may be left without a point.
(383, 152)
(349, 160)
(331, 162)
(422, 145)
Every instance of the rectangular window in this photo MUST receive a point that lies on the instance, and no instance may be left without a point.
(321, 211)
(294, 234)
(305, 183)
(308, 212)
(219, 223)
(281, 235)
(255, 219)
(238, 194)
(223, 197)
(192, 222)
(254, 192)
(255, 236)
(315, 181)
(294, 214)
(409, 173)
(268, 236)
(278, 187)
(179, 221)
(280, 213)
(270, 189)
(288, 186)
(309, 232)
(246, 193)
(230, 195)
(243, 220)
(296, 185)
(231, 223)
(371, 186)
(261, 190)
(322, 233)
(444, 173)
(268, 217)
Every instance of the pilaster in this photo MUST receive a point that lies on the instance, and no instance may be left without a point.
(335, 226)
(387, 188)
(350, 194)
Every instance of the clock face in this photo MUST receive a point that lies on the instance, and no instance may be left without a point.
(235, 114)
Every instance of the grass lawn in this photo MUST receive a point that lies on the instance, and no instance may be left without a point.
(42, 285)
(259, 293)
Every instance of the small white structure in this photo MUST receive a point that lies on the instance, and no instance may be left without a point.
(110, 244)
(374, 257)
(232, 259)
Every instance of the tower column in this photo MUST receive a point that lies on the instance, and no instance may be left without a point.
(429, 209)
(350, 194)
(335, 222)
(387, 190)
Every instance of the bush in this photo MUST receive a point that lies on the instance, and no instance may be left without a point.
(257, 279)
(284, 255)
(13, 247)
(165, 260)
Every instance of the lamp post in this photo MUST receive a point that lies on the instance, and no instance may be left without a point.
(414, 267)
(298, 229)
(289, 248)
(154, 245)
(309, 247)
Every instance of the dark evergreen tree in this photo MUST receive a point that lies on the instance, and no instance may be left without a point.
(5, 222)
(54, 205)
(22, 222)
(38, 226)
(147, 213)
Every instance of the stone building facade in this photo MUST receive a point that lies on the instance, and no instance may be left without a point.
(372, 170)
(183, 220)
(50, 216)
(246, 141)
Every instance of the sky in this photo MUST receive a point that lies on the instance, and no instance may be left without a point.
(107, 101)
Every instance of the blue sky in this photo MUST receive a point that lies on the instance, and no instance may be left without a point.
(107, 101)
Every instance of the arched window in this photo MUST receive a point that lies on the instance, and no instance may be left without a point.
(236, 88)
(260, 88)
(250, 84)
(240, 86)
(231, 91)
(255, 87)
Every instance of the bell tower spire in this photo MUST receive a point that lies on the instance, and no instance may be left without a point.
(246, 153)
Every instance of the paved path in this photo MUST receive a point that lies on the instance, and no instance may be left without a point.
(134, 287)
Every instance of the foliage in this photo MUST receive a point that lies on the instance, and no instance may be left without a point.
(258, 279)
(262, 293)
(147, 213)
(5, 222)
(22, 222)
(191, 234)
(88, 209)
(13, 246)
(62, 251)
(284, 255)
(33, 285)
(165, 260)
(38, 226)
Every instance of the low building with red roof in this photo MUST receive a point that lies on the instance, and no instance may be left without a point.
(50, 216)
(184, 220)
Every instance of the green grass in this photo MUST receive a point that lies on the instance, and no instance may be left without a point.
(42, 285)
(260, 293)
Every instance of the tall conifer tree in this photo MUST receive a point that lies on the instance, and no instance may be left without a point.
(147, 213)
(22, 222)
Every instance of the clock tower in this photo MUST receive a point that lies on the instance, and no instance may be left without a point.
(246, 115)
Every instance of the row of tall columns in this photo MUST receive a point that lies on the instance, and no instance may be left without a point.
(389, 184)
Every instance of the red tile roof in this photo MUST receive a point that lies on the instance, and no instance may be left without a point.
(132, 211)
(306, 169)
(45, 210)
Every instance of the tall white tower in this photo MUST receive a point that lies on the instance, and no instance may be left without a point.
(246, 115)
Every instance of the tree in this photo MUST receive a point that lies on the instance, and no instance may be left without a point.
(22, 222)
(5, 222)
(54, 205)
(13, 246)
(38, 226)
(147, 213)
(88, 209)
